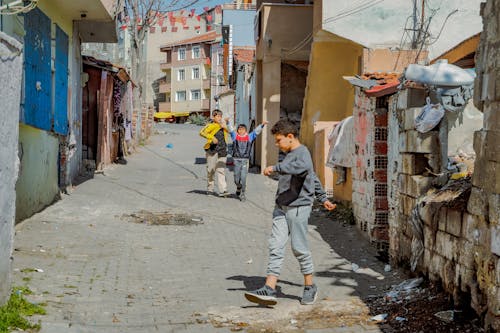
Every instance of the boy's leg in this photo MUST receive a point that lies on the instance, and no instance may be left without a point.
(220, 174)
(211, 163)
(244, 173)
(277, 242)
(237, 174)
(279, 236)
(298, 218)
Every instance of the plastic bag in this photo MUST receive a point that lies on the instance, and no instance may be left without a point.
(430, 116)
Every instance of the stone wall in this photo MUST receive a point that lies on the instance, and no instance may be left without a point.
(483, 222)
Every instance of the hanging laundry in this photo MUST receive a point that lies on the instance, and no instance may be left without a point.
(206, 9)
(160, 20)
(184, 20)
(174, 29)
(198, 17)
(209, 18)
(182, 12)
(123, 27)
(192, 12)
(218, 9)
(164, 29)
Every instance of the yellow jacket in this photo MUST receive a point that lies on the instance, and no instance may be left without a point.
(209, 131)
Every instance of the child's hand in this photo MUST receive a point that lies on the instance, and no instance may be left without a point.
(214, 140)
(268, 171)
(264, 123)
(328, 205)
(226, 119)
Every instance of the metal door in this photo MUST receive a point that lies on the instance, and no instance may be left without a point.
(61, 83)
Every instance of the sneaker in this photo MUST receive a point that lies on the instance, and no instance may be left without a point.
(310, 294)
(238, 191)
(224, 194)
(242, 196)
(263, 296)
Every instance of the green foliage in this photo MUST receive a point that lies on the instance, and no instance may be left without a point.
(12, 314)
(198, 119)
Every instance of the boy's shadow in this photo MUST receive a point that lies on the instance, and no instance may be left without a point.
(255, 282)
(205, 193)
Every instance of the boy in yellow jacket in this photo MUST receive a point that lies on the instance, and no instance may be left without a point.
(216, 134)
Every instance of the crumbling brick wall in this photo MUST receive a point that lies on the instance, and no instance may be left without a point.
(369, 196)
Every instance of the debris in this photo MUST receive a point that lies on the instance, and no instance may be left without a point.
(293, 322)
(379, 318)
(249, 261)
(401, 319)
(169, 145)
(387, 268)
(355, 267)
(446, 316)
(404, 287)
(39, 270)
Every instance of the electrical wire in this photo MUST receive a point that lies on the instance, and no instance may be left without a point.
(17, 7)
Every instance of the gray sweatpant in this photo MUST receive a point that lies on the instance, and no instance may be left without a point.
(240, 173)
(289, 221)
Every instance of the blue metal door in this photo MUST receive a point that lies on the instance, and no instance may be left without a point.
(38, 84)
(61, 83)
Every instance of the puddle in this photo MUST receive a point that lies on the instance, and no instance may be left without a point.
(162, 218)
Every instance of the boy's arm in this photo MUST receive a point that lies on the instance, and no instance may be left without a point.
(257, 131)
(321, 195)
(206, 132)
(296, 166)
(231, 131)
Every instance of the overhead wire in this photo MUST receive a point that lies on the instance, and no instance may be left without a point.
(17, 7)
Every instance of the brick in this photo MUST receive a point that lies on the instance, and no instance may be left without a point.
(469, 223)
(427, 213)
(416, 142)
(447, 245)
(380, 176)
(478, 202)
(494, 208)
(380, 148)
(442, 218)
(434, 161)
(429, 237)
(495, 239)
(454, 222)
(487, 175)
(436, 265)
(491, 116)
(409, 116)
(406, 204)
(414, 186)
(413, 164)
(410, 97)
(466, 256)
(492, 146)
(381, 119)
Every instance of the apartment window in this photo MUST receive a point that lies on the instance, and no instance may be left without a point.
(196, 72)
(196, 52)
(181, 55)
(181, 75)
(220, 59)
(180, 96)
(195, 94)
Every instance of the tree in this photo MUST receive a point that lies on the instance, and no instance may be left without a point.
(141, 15)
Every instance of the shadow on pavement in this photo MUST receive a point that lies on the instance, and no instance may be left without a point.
(255, 282)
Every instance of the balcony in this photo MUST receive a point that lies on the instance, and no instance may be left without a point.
(165, 87)
(205, 104)
(166, 66)
(206, 84)
(164, 107)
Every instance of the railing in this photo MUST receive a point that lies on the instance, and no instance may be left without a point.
(165, 66)
(165, 87)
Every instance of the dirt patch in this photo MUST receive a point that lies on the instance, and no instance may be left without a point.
(162, 218)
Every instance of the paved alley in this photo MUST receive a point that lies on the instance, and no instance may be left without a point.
(99, 271)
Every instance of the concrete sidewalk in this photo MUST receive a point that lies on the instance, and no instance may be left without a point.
(101, 272)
